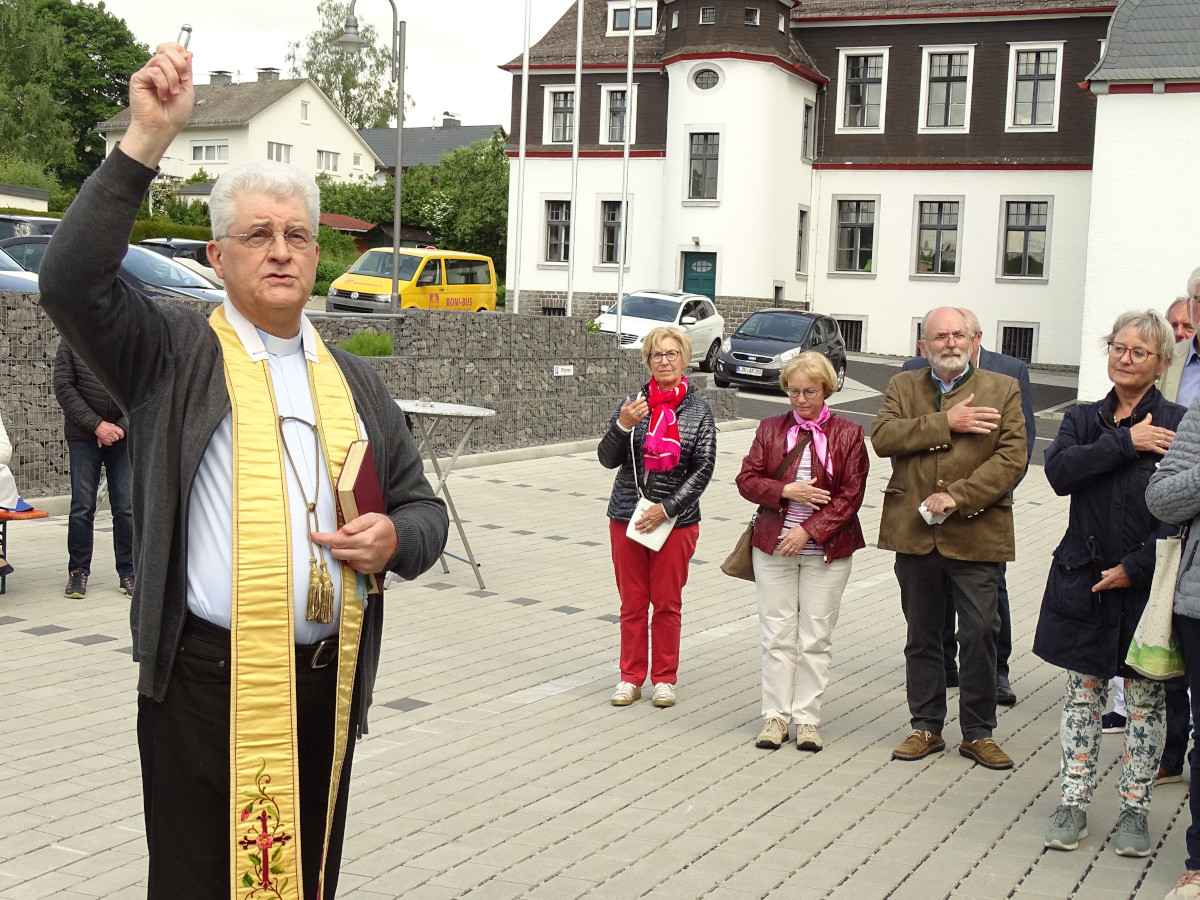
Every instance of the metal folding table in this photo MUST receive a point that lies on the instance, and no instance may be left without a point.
(426, 415)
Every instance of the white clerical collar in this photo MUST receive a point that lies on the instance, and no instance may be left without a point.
(253, 340)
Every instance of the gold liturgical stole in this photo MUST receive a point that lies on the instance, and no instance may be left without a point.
(264, 829)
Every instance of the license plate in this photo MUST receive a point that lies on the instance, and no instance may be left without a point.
(749, 370)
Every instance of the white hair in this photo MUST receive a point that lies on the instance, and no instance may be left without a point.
(275, 179)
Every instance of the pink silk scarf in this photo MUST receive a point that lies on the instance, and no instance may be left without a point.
(660, 450)
(813, 427)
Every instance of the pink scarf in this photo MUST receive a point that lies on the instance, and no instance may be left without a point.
(813, 427)
(660, 451)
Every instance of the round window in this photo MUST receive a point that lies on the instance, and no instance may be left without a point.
(706, 79)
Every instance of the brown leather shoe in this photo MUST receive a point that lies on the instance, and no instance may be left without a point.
(918, 745)
(986, 752)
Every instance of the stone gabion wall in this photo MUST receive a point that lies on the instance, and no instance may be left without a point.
(495, 360)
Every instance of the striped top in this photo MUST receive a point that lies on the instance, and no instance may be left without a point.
(798, 513)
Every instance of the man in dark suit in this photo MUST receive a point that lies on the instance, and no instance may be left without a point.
(1005, 365)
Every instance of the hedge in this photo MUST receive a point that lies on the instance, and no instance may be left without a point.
(142, 228)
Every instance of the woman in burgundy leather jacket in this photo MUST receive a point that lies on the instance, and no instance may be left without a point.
(805, 532)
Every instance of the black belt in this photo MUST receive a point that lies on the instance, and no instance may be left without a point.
(308, 656)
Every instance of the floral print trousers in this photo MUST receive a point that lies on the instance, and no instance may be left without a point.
(1145, 733)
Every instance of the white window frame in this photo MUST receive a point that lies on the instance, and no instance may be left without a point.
(547, 199)
(711, 9)
(357, 160)
(598, 263)
(722, 151)
(803, 240)
(1002, 236)
(614, 5)
(834, 229)
(928, 51)
(913, 274)
(1014, 48)
(630, 113)
(216, 145)
(755, 19)
(843, 53)
(998, 340)
(325, 157)
(304, 112)
(548, 112)
(782, 23)
(675, 18)
(279, 152)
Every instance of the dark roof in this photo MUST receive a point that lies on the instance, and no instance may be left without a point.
(20, 190)
(424, 145)
(1152, 40)
(807, 10)
(197, 189)
(223, 104)
(557, 46)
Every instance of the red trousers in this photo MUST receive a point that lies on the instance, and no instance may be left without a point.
(648, 578)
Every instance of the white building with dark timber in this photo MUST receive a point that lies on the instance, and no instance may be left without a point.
(869, 159)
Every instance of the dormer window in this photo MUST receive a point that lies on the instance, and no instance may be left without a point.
(644, 15)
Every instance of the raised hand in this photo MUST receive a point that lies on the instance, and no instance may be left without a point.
(160, 103)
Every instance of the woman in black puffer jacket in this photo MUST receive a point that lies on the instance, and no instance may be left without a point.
(666, 439)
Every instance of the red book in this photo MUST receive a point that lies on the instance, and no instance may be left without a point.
(358, 489)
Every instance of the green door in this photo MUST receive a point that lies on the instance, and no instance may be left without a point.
(700, 274)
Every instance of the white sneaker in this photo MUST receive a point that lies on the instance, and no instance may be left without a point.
(808, 738)
(664, 694)
(626, 693)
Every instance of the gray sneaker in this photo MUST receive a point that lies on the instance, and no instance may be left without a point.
(1133, 836)
(1067, 826)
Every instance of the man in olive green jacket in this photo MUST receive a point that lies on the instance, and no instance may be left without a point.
(957, 438)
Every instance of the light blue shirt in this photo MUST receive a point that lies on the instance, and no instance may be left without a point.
(210, 511)
(947, 388)
(1189, 378)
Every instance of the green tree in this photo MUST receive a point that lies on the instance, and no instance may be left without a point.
(15, 170)
(466, 206)
(358, 84)
(32, 126)
(99, 53)
(361, 198)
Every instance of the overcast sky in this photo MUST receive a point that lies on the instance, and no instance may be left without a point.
(453, 48)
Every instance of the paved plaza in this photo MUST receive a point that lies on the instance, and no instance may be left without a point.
(495, 767)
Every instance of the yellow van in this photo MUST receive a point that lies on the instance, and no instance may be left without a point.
(429, 279)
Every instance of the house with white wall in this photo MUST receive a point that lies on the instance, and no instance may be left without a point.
(1144, 235)
(290, 120)
(870, 159)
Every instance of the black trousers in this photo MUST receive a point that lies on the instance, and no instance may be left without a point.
(974, 589)
(184, 746)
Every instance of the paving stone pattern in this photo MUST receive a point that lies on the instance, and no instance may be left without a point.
(495, 767)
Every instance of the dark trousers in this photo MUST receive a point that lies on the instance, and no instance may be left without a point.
(184, 746)
(1188, 632)
(973, 585)
(87, 458)
(1179, 720)
(1003, 643)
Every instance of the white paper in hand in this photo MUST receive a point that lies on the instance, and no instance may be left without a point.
(932, 518)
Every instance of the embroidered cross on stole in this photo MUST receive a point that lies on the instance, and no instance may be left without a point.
(264, 812)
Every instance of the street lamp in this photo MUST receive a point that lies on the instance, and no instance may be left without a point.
(351, 42)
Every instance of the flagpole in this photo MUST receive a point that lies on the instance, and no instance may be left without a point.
(516, 297)
(572, 248)
(629, 118)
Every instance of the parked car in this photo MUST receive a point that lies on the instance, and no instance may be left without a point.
(13, 277)
(693, 314)
(428, 279)
(142, 268)
(755, 353)
(191, 254)
(13, 225)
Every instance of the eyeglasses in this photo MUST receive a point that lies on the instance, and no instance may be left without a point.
(957, 337)
(256, 238)
(1137, 354)
(809, 393)
(665, 355)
